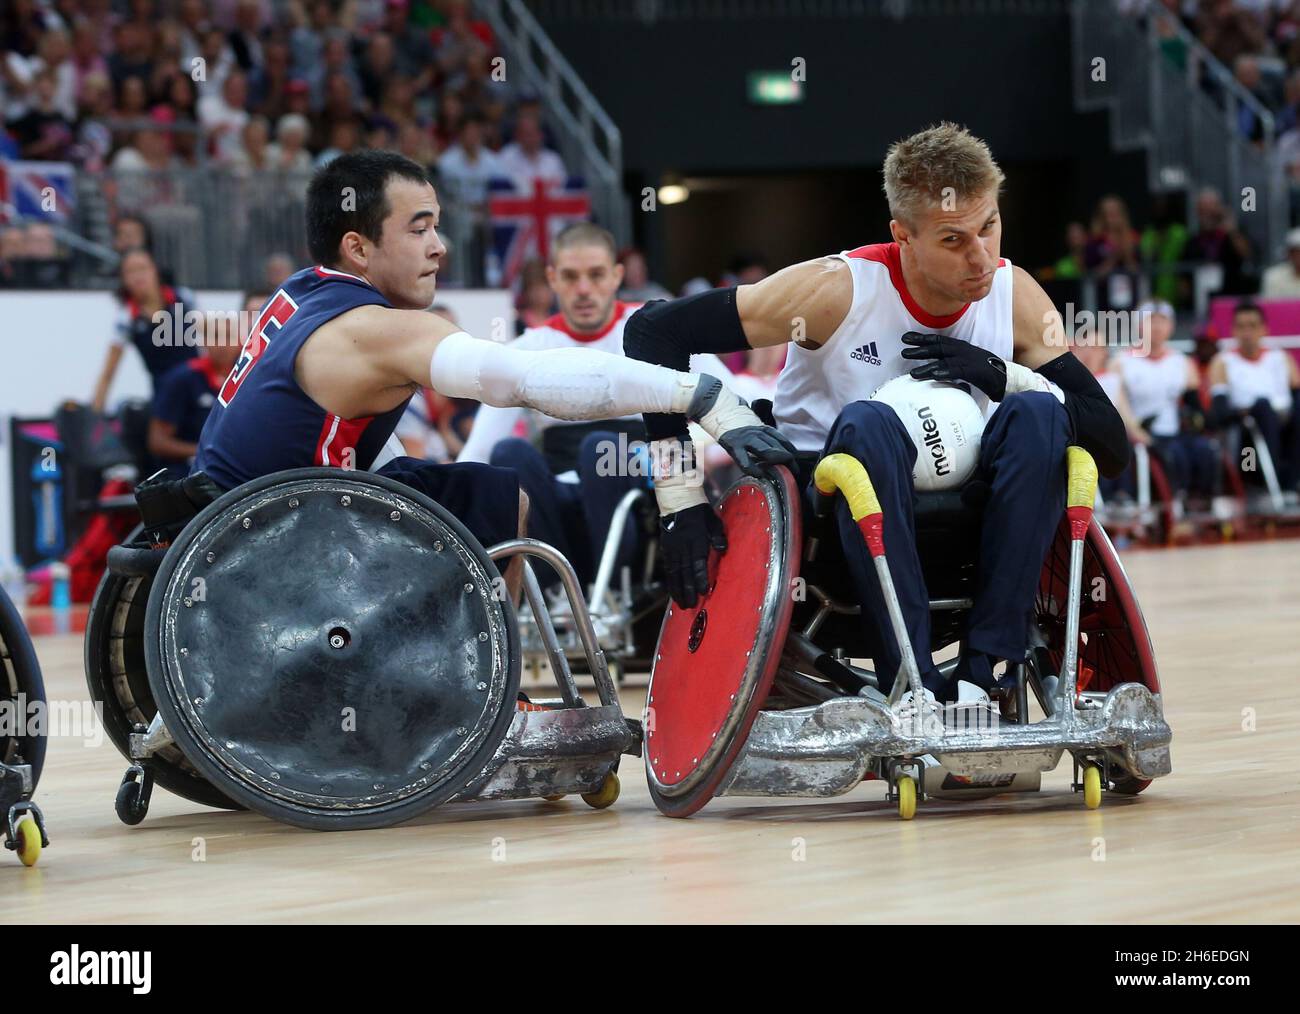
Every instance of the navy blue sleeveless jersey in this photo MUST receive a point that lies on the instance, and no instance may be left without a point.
(262, 421)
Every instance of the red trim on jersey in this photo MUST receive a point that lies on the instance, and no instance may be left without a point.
(888, 255)
(204, 365)
(323, 272)
(336, 436)
(558, 322)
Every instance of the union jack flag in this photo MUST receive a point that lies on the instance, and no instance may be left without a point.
(36, 191)
(524, 222)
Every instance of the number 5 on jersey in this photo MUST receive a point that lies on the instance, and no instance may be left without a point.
(277, 312)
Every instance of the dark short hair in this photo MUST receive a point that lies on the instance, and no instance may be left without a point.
(366, 173)
(1249, 306)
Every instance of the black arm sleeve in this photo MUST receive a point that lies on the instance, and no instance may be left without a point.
(1096, 423)
(668, 332)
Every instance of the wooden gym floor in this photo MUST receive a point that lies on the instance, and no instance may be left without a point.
(1213, 842)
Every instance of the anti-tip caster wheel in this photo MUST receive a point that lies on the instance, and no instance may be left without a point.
(906, 789)
(1091, 786)
(605, 795)
(133, 794)
(554, 798)
(29, 839)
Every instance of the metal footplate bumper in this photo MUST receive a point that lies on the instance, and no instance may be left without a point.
(551, 753)
(828, 749)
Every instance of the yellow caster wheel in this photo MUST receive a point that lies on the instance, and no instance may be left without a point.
(29, 841)
(1091, 786)
(555, 798)
(605, 795)
(906, 788)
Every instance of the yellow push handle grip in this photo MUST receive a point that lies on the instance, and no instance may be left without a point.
(845, 473)
(1081, 486)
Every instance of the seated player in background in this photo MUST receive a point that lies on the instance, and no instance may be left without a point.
(581, 471)
(1163, 389)
(1090, 351)
(186, 392)
(1263, 384)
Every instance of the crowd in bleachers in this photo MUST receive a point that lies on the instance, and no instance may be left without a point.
(258, 86)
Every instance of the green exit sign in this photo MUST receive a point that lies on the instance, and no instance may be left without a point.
(774, 88)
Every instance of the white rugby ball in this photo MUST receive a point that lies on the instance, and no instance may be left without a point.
(944, 422)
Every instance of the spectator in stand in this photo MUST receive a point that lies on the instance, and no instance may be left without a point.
(131, 232)
(245, 38)
(1112, 255)
(746, 268)
(224, 116)
(335, 62)
(193, 25)
(43, 133)
(344, 136)
(476, 86)
(55, 54)
(637, 286)
(466, 166)
(1073, 265)
(416, 143)
(307, 34)
(377, 67)
(185, 393)
(132, 56)
(152, 150)
(253, 156)
(269, 83)
(525, 160)
(415, 53)
(217, 63)
(94, 136)
(87, 58)
(1228, 31)
(1247, 73)
(288, 152)
(459, 39)
(1164, 243)
(143, 296)
(1282, 280)
(1219, 241)
(1263, 384)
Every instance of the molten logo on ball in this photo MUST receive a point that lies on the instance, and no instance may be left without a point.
(945, 423)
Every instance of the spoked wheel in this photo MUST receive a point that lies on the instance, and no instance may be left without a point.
(20, 683)
(1116, 647)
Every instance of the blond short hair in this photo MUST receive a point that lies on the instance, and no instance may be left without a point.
(943, 162)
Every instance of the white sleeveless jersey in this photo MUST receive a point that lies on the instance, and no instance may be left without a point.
(1265, 377)
(1110, 382)
(866, 350)
(1155, 387)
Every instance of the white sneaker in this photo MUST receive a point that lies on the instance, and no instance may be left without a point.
(972, 694)
(919, 720)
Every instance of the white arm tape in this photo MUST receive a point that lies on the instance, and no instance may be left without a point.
(678, 479)
(1022, 378)
(571, 383)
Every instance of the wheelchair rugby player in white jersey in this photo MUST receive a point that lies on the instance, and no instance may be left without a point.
(941, 304)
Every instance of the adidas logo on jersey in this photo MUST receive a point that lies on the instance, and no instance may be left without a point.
(867, 353)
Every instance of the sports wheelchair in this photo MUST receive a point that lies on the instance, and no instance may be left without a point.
(22, 748)
(753, 691)
(336, 651)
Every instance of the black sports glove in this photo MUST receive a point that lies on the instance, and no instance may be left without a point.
(685, 540)
(952, 359)
(757, 448)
